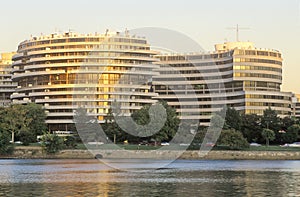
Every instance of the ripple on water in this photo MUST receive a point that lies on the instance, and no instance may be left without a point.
(181, 178)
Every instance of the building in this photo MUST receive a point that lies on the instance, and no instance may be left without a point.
(7, 87)
(236, 74)
(296, 105)
(65, 71)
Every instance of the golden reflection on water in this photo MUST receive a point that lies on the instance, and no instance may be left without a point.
(81, 178)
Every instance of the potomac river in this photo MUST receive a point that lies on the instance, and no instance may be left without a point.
(90, 177)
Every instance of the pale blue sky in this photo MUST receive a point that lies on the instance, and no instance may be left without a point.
(273, 23)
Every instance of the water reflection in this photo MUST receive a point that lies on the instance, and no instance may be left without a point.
(182, 178)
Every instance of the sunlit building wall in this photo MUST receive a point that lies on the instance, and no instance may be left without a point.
(7, 87)
(296, 105)
(236, 74)
(66, 71)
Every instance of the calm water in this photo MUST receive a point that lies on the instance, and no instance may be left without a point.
(181, 178)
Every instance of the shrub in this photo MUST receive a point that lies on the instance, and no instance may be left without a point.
(233, 139)
(70, 142)
(27, 137)
(52, 144)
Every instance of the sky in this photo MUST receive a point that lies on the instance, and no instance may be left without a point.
(273, 24)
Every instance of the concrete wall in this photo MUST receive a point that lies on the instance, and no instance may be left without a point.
(36, 152)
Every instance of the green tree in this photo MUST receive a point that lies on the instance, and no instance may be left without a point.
(70, 142)
(199, 136)
(292, 133)
(214, 130)
(36, 116)
(12, 120)
(270, 120)
(88, 127)
(170, 127)
(233, 119)
(251, 127)
(24, 122)
(286, 122)
(217, 121)
(5, 147)
(111, 128)
(26, 137)
(233, 139)
(52, 143)
(268, 135)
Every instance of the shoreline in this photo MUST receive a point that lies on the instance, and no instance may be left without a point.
(37, 153)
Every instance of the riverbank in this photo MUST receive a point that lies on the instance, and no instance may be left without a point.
(37, 153)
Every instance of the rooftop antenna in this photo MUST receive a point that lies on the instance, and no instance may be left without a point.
(126, 32)
(57, 30)
(237, 28)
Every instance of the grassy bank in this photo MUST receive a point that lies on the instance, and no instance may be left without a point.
(142, 151)
(220, 148)
(22, 152)
(151, 147)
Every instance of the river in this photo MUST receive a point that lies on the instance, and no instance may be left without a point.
(180, 178)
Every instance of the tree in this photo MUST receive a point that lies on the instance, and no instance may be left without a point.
(286, 122)
(268, 135)
(111, 128)
(233, 139)
(13, 120)
(88, 127)
(251, 127)
(270, 120)
(170, 127)
(292, 133)
(70, 142)
(217, 121)
(24, 122)
(5, 146)
(233, 119)
(26, 137)
(51, 143)
(199, 136)
(213, 132)
(36, 116)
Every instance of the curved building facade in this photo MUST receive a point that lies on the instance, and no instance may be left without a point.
(195, 84)
(260, 70)
(7, 87)
(66, 71)
(237, 75)
(296, 105)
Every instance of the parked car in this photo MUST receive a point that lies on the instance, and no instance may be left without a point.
(295, 144)
(183, 144)
(210, 144)
(16, 142)
(95, 143)
(165, 144)
(255, 144)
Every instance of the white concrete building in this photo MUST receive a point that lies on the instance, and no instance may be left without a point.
(7, 87)
(66, 71)
(236, 74)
